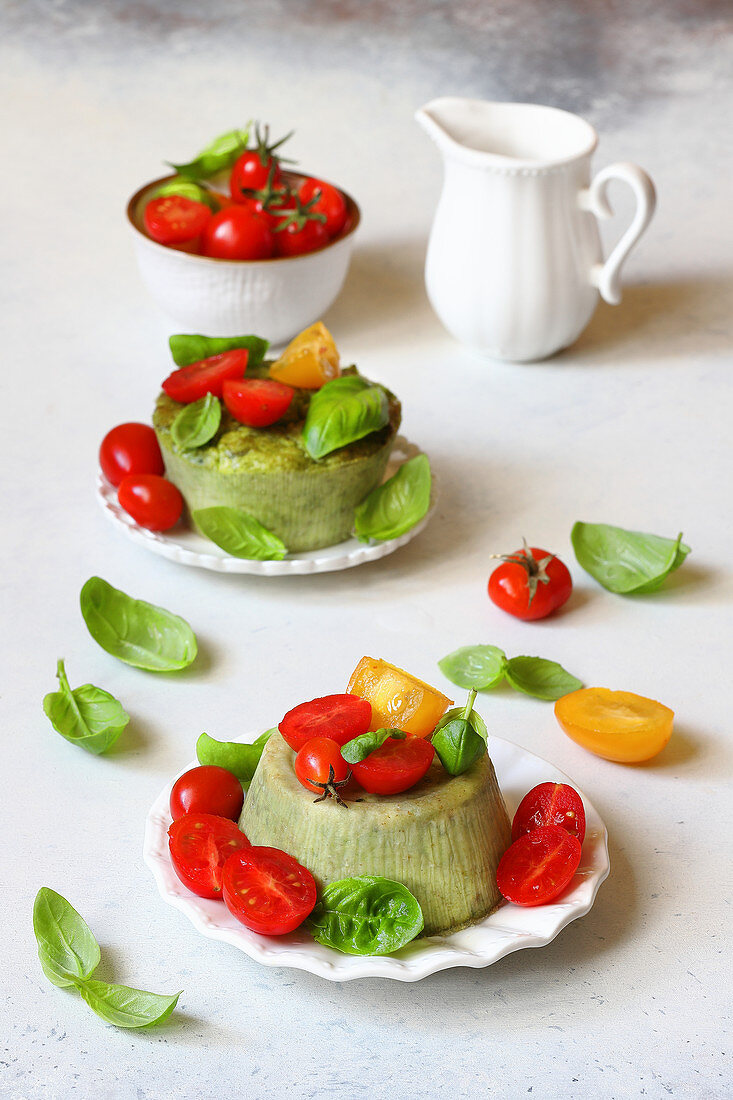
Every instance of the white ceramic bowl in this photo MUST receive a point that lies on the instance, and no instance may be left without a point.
(276, 298)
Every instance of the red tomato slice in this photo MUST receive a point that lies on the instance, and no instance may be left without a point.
(537, 867)
(340, 717)
(206, 376)
(395, 766)
(267, 890)
(550, 804)
(153, 502)
(257, 402)
(207, 790)
(173, 219)
(200, 845)
(130, 449)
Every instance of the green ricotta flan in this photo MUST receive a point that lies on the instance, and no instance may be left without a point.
(268, 473)
(443, 838)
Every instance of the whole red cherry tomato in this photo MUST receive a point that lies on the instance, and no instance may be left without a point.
(255, 167)
(395, 766)
(340, 717)
(550, 804)
(207, 790)
(267, 890)
(130, 449)
(296, 238)
(200, 845)
(329, 201)
(153, 502)
(320, 767)
(257, 402)
(175, 219)
(237, 233)
(205, 376)
(530, 583)
(538, 866)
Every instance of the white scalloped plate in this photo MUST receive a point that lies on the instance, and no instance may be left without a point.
(508, 929)
(185, 545)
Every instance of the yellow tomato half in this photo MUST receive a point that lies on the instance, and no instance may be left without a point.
(616, 725)
(399, 701)
(310, 360)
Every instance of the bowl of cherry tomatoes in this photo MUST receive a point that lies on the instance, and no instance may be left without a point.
(249, 247)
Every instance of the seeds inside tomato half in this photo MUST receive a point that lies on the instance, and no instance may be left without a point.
(257, 402)
(550, 804)
(395, 766)
(267, 890)
(538, 866)
(200, 845)
(340, 717)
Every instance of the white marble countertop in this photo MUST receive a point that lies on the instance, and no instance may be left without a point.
(630, 426)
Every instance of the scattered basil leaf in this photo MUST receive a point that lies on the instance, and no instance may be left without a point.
(87, 716)
(187, 348)
(540, 678)
(239, 533)
(134, 631)
(219, 154)
(189, 190)
(342, 411)
(197, 423)
(458, 743)
(366, 916)
(239, 759)
(365, 744)
(475, 666)
(626, 562)
(67, 949)
(126, 1007)
(396, 506)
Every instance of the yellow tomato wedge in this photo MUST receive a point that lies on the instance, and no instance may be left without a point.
(399, 701)
(310, 360)
(616, 725)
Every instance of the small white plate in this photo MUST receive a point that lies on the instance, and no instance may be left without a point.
(508, 929)
(185, 545)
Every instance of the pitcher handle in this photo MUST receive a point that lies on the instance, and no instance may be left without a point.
(607, 276)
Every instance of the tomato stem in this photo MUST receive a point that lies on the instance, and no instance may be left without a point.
(331, 787)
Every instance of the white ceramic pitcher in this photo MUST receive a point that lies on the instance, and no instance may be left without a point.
(514, 264)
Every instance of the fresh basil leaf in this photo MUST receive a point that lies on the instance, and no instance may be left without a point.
(457, 742)
(134, 631)
(126, 1007)
(189, 190)
(475, 666)
(218, 155)
(239, 759)
(626, 562)
(239, 533)
(342, 411)
(540, 678)
(67, 949)
(366, 916)
(365, 744)
(197, 423)
(397, 505)
(454, 713)
(87, 716)
(187, 348)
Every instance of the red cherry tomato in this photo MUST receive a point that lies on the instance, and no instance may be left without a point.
(237, 233)
(320, 767)
(251, 171)
(267, 890)
(340, 717)
(200, 845)
(206, 376)
(395, 766)
(152, 501)
(295, 241)
(174, 219)
(257, 401)
(130, 449)
(330, 202)
(207, 790)
(550, 804)
(530, 583)
(537, 867)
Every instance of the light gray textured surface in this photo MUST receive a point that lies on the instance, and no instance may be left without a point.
(632, 426)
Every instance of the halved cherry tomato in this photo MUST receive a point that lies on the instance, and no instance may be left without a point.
(174, 219)
(206, 376)
(207, 790)
(340, 717)
(616, 725)
(537, 867)
(153, 502)
(257, 402)
(399, 700)
(267, 890)
(130, 449)
(200, 845)
(550, 804)
(320, 767)
(310, 360)
(237, 233)
(330, 202)
(395, 766)
(530, 583)
(295, 239)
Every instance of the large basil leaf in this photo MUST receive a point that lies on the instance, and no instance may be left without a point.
(477, 722)
(540, 678)
(126, 1007)
(189, 190)
(187, 348)
(458, 742)
(475, 666)
(626, 562)
(87, 716)
(342, 411)
(239, 533)
(366, 916)
(197, 423)
(239, 759)
(67, 949)
(365, 744)
(136, 632)
(395, 507)
(218, 155)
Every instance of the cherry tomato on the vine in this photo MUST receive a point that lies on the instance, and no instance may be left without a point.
(530, 583)
(295, 239)
(340, 717)
(200, 845)
(550, 804)
(320, 767)
(267, 890)
(257, 402)
(255, 167)
(538, 866)
(193, 382)
(330, 202)
(237, 233)
(175, 219)
(395, 766)
(153, 502)
(130, 449)
(208, 789)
